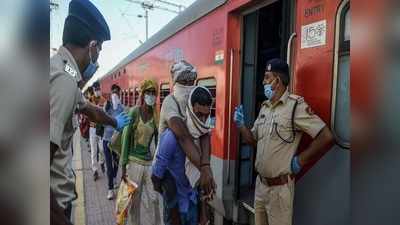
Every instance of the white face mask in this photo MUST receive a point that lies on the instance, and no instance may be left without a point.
(115, 100)
(97, 93)
(150, 100)
(182, 91)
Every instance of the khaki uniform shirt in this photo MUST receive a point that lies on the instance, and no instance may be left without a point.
(65, 98)
(273, 154)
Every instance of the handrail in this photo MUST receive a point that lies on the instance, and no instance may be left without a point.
(289, 48)
(288, 59)
(230, 113)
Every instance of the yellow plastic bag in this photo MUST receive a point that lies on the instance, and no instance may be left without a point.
(126, 193)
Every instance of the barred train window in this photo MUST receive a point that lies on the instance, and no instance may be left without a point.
(164, 92)
(122, 97)
(211, 85)
(136, 95)
(130, 97)
(126, 99)
(342, 101)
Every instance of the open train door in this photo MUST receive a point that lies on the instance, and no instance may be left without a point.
(266, 28)
(322, 193)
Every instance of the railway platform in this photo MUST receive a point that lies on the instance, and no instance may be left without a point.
(92, 207)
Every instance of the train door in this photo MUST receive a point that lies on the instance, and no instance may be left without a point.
(265, 33)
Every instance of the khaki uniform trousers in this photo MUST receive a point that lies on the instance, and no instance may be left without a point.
(145, 206)
(273, 205)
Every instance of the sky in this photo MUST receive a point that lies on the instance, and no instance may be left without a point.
(127, 30)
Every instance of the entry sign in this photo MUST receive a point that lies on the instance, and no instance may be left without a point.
(313, 34)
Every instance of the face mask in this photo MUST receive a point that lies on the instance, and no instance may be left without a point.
(91, 68)
(268, 91)
(182, 91)
(97, 93)
(115, 100)
(150, 99)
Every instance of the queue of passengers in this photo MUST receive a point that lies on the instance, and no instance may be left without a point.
(177, 176)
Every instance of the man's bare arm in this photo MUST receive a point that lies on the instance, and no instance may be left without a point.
(185, 140)
(205, 145)
(206, 175)
(96, 114)
(323, 141)
(193, 153)
(248, 136)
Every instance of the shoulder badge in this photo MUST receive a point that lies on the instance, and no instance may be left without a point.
(296, 97)
(70, 70)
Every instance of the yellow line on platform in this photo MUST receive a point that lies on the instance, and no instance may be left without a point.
(79, 212)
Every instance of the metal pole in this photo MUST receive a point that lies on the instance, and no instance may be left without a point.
(147, 23)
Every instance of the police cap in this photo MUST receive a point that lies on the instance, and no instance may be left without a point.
(84, 23)
(279, 66)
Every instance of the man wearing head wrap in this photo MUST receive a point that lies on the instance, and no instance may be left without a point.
(171, 164)
(137, 156)
(74, 64)
(173, 115)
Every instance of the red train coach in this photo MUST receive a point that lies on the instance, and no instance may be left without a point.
(229, 42)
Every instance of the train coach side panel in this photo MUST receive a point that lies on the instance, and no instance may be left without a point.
(202, 43)
(322, 190)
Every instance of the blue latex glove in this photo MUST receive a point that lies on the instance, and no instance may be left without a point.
(238, 116)
(295, 165)
(122, 120)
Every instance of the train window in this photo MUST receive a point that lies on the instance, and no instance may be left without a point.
(344, 39)
(130, 97)
(122, 97)
(211, 85)
(341, 113)
(127, 97)
(164, 92)
(136, 96)
(346, 32)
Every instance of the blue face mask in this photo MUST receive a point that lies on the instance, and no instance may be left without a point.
(90, 69)
(268, 92)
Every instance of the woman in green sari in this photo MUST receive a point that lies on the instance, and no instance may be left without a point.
(137, 156)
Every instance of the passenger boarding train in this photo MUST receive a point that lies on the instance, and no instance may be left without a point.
(229, 42)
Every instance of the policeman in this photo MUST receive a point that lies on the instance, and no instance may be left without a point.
(276, 134)
(74, 64)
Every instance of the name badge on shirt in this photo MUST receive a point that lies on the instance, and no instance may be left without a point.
(70, 70)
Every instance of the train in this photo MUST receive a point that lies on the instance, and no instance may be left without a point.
(229, 42)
